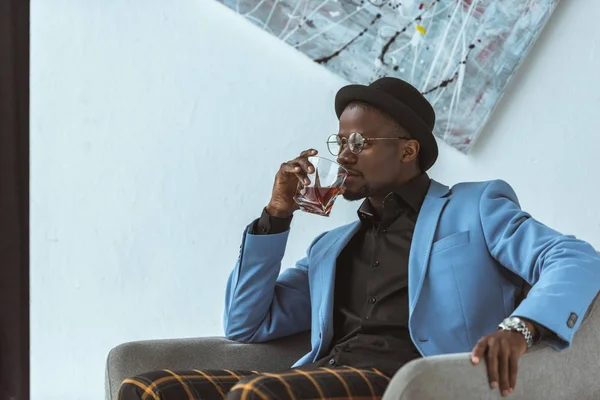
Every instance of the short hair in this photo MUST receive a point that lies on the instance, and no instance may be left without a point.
(393, 124)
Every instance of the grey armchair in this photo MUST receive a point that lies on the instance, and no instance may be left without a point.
(544, 373)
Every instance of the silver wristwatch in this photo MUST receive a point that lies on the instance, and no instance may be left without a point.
(516, 324)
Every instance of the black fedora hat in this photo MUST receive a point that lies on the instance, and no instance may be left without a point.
(404, 103)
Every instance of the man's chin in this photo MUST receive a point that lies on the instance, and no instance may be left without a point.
(355, 192)
(353, 195)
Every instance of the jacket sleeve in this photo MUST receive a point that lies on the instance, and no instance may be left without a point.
(564, 271)
(261, 304)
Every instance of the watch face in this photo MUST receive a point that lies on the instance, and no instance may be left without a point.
(513, 321)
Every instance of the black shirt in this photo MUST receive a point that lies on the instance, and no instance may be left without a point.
(371, 283)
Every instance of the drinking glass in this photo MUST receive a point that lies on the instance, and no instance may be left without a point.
(326, 183)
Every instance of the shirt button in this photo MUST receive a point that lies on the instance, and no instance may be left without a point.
(383, 231)
(376, 264)
(372, 300)
(331, 362)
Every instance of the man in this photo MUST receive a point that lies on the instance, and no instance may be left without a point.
(425, 270)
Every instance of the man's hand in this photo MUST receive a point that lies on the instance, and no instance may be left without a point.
(502, 350)
(282, 202)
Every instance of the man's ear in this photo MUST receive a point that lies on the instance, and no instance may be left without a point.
(410, 151)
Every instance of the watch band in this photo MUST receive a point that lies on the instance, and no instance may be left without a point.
(517, 325)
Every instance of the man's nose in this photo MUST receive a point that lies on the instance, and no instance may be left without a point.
(346, 157)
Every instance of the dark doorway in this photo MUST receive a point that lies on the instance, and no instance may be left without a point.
(14, 199)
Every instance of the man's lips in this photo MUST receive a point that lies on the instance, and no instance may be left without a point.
(351, 176)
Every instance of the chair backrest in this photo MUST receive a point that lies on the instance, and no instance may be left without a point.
(592, 316)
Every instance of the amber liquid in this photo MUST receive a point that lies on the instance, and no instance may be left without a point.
(317, 200)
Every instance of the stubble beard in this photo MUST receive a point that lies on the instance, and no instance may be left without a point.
(360, 194)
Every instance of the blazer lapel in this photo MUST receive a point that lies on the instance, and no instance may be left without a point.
(420, 249)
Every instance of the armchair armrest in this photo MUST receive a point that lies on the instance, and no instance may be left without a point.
(544, 373)
(134, 358)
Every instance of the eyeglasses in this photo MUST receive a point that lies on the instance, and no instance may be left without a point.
(356, 142)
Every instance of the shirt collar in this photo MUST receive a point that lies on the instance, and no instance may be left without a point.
(412, 193)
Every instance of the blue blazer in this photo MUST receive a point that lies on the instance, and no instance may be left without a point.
(471, 250)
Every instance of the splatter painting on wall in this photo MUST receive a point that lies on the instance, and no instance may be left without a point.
(460, 53)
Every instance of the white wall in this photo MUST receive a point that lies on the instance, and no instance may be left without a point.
(157, 128)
